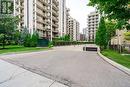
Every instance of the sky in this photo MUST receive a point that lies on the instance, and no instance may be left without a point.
(79, 10)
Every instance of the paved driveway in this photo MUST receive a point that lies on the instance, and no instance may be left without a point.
(72, 66)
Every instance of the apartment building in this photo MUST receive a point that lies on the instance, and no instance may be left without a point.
(62, 17)
(67, 20)
(73, 29)
(19, 11)
(85, 33)
(121, 41)
(93, 22)
(41, 16)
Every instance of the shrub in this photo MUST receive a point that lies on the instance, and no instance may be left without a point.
(31, 41)
(34, 40)
(27, 40)
(50, 44)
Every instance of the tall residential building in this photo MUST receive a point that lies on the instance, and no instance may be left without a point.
(19, 11)
(93, 22)
(73, 29)
(62, 17)
(67, 20)
(41, 16)
(85, 33)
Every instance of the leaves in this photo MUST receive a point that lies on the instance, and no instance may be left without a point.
(113, 9)
(101, 34)
(8, 25)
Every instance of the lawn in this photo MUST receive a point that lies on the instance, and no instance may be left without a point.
(17, 49)
(115, 56)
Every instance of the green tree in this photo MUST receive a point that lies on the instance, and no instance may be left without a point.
(17, 37)
(30, 40)
(8, 26)
(27, 40)
(34, 40)
(110, 29)
(67, 38)
(118, 10)
(101, 34)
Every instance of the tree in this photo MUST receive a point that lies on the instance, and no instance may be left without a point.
(118, 10)
(17, 37)
(101, 35)
(8, 26)
(30, 40)
(110, 29)
(34, 40)
(67, 38)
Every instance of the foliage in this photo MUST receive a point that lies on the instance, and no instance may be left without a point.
(16, 37)
(127, 35)
(101, 34)
(31, 40)
(118, 10)
(50, 44)
(34, 40)
(27, 40)
(63, 38)
(110, 29)
(8, 26)
(23, 34)
(64, 43)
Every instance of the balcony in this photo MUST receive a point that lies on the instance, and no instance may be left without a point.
(55, 7)
(55, 13)
(44, 2)
(41, 6)
(40, 27)
(56, 2)
(41, 14)
(55, 19)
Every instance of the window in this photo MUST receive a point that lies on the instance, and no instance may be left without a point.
(6, 7)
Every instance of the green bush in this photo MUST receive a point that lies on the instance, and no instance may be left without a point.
(34, 40)
(63, 43)
(50, 44)
(31, 41)
(27, 40)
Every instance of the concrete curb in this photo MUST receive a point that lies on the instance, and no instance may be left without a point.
(116, 65)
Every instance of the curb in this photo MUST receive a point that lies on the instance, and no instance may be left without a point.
(116, 65)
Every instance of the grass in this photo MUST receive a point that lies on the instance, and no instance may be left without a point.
(17, 49)
(115, 56)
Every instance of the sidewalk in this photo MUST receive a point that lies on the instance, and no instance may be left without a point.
(14, 76)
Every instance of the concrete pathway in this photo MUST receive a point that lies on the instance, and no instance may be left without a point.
(14, 76)
(71, 66)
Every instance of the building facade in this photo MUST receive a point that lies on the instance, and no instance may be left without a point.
(73, 29)
(85, 33)
(67, 20)
(41, 16)
(62, 17)
(93, 22)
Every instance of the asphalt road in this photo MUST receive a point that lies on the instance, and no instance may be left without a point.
(71, 66)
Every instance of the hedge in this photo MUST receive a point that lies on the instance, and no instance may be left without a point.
(65, 43)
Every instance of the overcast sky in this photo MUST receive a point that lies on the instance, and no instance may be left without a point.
(79, 10)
